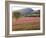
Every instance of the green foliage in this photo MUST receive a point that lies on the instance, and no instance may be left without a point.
(16, 14)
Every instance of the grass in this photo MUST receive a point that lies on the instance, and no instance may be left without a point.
(26, 26)
(34, 25)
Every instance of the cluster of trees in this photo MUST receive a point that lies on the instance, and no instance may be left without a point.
(16, 14)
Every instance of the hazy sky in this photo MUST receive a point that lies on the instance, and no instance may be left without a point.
(15, 7)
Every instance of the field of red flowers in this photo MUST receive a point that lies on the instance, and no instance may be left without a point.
(27, 23)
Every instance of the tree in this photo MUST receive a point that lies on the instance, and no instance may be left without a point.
(16, 14)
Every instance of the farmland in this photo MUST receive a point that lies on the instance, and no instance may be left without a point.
(27, 23)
